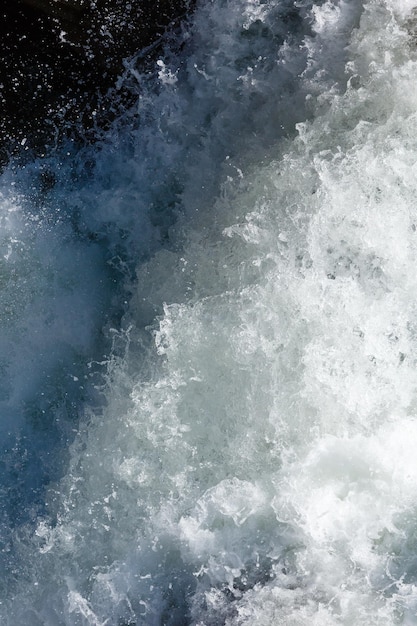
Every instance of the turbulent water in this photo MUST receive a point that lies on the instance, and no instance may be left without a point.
(208, 331)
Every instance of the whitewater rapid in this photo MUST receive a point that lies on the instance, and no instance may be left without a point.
(208, 331)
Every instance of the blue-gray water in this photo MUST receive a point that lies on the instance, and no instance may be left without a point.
(208, 332)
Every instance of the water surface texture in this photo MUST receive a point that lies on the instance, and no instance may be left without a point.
(208, 331)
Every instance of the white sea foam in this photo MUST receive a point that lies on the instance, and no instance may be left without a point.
(255, 459)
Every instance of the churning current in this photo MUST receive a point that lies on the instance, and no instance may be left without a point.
(208, 332)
